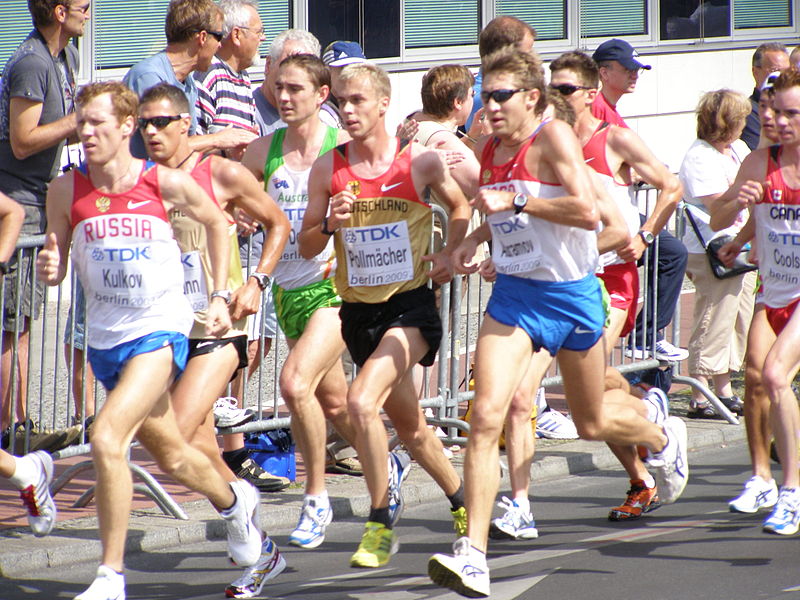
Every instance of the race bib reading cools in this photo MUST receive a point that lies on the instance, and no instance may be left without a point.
(378, 254)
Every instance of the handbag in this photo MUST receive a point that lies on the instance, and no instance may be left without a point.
(718, 269)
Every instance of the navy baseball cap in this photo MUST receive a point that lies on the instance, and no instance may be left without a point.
(620, 51)
(341, 54)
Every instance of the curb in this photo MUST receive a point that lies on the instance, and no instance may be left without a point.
(76, 541)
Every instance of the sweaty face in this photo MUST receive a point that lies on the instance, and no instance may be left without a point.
(99, 130)
(787, 115)
(162, 144)
(296, 95)
(507, 117)
(580, 99)
(766, 116)
(361, 106)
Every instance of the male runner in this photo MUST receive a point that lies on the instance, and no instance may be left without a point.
(546, 296)
(129, 266)
(768, 182)
(369, 195)
(612, 151)
(212, 361)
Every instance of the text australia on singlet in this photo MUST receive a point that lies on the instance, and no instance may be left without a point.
(378, 254)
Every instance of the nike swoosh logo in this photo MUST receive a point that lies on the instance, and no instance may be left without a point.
(203, 344)
(386, 188)
(134, 205)
(582, 330)
(590, 159)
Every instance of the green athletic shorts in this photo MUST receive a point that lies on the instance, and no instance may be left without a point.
(295, 307)
(606, 301)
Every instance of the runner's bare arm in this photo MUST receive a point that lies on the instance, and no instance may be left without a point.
(311, 240)
(180, 191)
(748, 180)
(51, 263)
(255, 157)
(247, 194)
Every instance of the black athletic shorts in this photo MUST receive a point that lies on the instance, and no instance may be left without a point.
(363, 325)
(198, 347)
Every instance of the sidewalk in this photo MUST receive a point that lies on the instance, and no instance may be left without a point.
(75, 539)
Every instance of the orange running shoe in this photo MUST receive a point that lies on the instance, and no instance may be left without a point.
(640, 500)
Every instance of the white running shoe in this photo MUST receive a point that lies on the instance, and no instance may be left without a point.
(516, 523)
(310, 530)
(107, 585)
(36, 497)
(269, 565)
(669, 352)
(465, 572)
(553, 425)
(671, 465)
(657, 403)
(785, 517)
(757, 494)
(399, 468)
(244, 524)
(228, 414)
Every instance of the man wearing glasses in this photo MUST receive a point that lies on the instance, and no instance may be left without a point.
(194, 34)
(36, 118)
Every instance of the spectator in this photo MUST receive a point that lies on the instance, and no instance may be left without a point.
(768, 58)
(193, 29)
(619, 71)
(723, 307)
(225, 97)
(35, 121)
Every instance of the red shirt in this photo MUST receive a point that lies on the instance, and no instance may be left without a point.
(605, 111)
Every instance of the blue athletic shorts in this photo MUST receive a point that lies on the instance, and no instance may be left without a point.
(554, 314)
(108, 364)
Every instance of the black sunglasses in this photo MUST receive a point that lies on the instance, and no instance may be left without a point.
(500, 96)
(567, 89)
(160, 122)
(218, 35)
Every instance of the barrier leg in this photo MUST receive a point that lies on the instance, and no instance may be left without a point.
(719, 407)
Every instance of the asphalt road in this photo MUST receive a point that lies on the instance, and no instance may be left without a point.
(694, 549)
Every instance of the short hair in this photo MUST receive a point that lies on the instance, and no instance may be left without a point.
(582, 64)
(236, 14)
(720, 113)
(788, 78)
(524, 67)
(310, 44)
(562, 109)
(166, 91)
(42, 11)
(758, 55)
(502, 32)
(188, 17)
(123, 99)
(443, 85)
(316, 70)
(376, 75)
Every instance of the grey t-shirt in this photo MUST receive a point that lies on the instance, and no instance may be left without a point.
(34, 74)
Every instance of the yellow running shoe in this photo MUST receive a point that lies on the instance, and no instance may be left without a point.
(460, 520)
(377, 545)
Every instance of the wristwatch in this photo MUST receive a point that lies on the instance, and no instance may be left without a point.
(262, 279)
(325, 229)
(647, 236)
(224, 294)
(520, 201)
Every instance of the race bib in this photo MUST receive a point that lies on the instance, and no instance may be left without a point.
(378, 254)
(123, 276)
(194, 281)
(514, 247)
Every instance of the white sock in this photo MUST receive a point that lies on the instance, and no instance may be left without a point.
(25, 473)
(320, 500)
(524, 503)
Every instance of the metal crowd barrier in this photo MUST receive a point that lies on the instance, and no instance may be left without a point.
(52, 391)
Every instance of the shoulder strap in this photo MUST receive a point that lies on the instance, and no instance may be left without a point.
(331, 136)
(687, 211)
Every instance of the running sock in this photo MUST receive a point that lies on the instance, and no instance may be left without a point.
(380, 515)
(226, 512)
(25, 473)
(457, 499)
(524, 503)
(235, 458)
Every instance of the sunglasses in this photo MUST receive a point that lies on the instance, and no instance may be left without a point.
(500, 96)
(160, 122)
(217, 35)
(567, 89)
